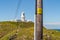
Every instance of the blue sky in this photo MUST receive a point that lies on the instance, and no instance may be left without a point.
(51, 13)
(8, 9)
(51, 10)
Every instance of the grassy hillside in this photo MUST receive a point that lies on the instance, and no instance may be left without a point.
(25, 31)
(9, 29)
(51, 34)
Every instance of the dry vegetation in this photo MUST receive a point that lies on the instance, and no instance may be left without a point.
(25, 31)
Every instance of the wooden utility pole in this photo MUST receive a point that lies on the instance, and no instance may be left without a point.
(39, 21)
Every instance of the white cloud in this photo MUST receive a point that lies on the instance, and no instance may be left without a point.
(55, 23)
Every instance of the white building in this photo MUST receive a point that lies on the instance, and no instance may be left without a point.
(23, 17)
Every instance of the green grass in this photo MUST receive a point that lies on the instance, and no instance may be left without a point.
(54, 34)
(25, 31)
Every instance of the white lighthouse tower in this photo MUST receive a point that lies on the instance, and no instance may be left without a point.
(23, 16)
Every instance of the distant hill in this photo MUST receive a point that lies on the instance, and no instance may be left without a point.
(24, 31)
